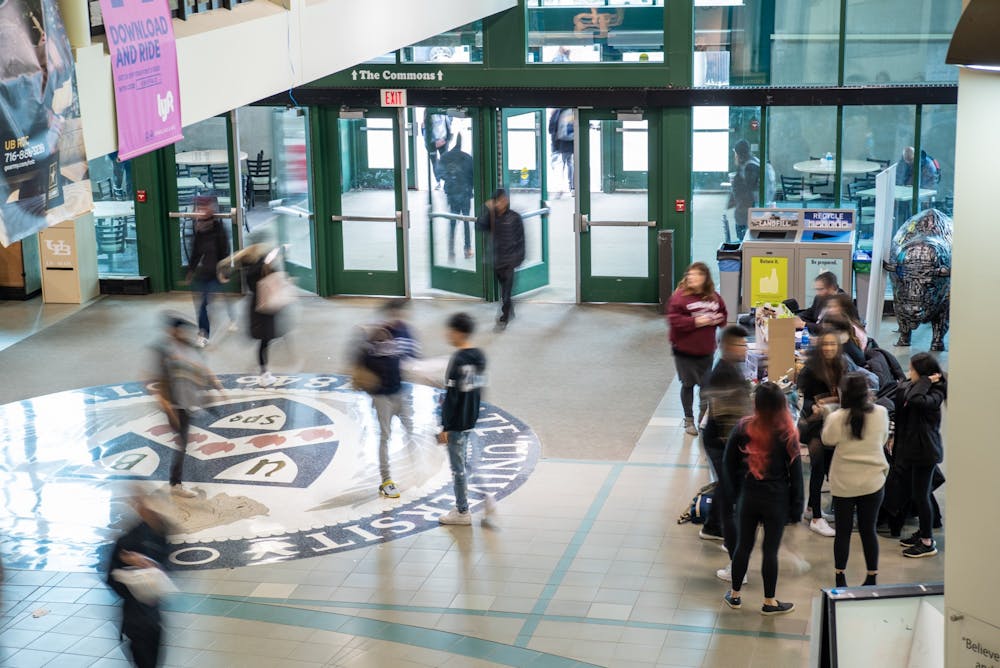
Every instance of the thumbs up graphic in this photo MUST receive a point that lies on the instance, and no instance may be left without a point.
(769, 284)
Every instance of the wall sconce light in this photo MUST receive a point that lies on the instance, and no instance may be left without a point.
(974, 43)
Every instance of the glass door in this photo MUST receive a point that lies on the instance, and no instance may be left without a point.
(370, 228)
(524, 177)
(453, 177)
(616, 215)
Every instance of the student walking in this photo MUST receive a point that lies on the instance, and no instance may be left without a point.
(208, 247)
(460, 410)
(857, 432)
(918, 444)
(763, 470)
(694, 312)
(506, 230)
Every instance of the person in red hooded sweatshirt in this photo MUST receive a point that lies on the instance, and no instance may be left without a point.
(694, 313)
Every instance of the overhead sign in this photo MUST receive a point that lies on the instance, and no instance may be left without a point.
(389, 75)
(393, 97)
(45, 179)
(144, 66)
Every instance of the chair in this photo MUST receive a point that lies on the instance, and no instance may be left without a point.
(185, 198)
(182, 170)
(865, 205)
(111, 235)
(817, 181)
(220, 177)
(119, 194)
(260, 174)
(795, 189)
(880, 161)
(104, 189)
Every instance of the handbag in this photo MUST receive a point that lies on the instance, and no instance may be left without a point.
(364, 379)
(275, 291)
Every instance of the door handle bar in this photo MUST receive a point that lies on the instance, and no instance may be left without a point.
(231, 214)
(398, 219)
(586, 223)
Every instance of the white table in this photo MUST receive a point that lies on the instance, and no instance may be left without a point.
(208, 157)
(902, 194)
(829, 167)
(114, 209)
(190, 182)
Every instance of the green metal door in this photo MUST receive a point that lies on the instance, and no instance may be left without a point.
(617, 212)
(370, 216)
(524, 176)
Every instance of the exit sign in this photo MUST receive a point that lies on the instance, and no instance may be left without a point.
(393, 97)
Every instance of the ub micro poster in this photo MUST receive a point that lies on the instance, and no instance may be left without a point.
(144, 66)
(45, 179)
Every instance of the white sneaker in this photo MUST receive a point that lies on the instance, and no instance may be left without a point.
(489, 506)
(201, 341)
(455, 517)
(690, 427)
(183, 492)
(821, 527)
(726, 574)
(266, 379)
(233, 327)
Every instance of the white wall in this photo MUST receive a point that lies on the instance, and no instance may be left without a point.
(971, 449)
(228, 59)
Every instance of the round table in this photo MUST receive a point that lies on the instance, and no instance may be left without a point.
(830, 167)
(215, 156)
(114, 208)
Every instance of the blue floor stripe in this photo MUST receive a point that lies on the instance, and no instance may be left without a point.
(569, 554)
(606, 462)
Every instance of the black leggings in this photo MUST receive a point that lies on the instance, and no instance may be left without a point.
(692, 371)
(183, 427)
(843, 512)
(722, 516)
(751, 511)
(819, 464)
(920, 489)
(262, 353)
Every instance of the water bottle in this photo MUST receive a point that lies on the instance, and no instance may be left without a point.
(805, 339)
(828, 157)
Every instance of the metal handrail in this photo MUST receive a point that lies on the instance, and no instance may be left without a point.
(292, 211)
(586, 223)
(452, 216)
(537, 212)
(196, 214)
(398, 219)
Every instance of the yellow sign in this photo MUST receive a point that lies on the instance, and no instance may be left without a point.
(768, 280)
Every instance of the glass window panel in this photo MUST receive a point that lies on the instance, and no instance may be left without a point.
(202, 167)
(584, 31)
(114, 216)
(798, 136)
(711, 118)
(379, 139)
(369, 246)
(619, 251)
(450, 191)
(461, 45)
(894, 41)
(368, 190)
(532, 241)
(635, 146)
(937, 140)
(710, 152)
(619, 190)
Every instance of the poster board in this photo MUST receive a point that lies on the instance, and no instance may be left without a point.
(769, 279)
(885, 205)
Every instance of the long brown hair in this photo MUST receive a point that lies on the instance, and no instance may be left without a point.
(832, 371)
(770, 419)
(707, 288)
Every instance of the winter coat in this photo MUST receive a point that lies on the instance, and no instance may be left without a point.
(918, 422)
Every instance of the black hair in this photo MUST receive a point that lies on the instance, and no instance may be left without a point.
(734, 332)
(499, 192)
(831, 372)
(828, 279)
(742, 148)
(926, 364)
(463, 323)
(857, 399)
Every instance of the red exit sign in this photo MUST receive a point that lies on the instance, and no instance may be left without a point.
(393, 97)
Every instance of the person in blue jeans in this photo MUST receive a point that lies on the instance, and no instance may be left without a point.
(460, 410)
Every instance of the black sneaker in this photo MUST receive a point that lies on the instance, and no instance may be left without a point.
(910, 541)
(780, 609)
(734, 602)
(920, 550)
(709, 533)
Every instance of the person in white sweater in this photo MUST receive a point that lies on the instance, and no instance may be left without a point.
(857, 431)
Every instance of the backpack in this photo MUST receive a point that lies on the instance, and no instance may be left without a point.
(564, 129)
(701, 506)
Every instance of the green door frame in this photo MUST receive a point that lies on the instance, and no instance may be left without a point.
(534, 276)
(616, 288)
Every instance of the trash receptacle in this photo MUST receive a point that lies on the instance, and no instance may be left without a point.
(730, 257)
(862, 265)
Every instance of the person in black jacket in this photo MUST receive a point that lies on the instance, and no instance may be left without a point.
(762, 469)
(562, 129)
(506, 230)
(142, 546)
(456, 169)
(437, 136)
(460, 410)
(918, 443)
(209, 246)
(824, 287)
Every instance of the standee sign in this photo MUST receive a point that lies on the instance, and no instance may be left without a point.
(144, 65)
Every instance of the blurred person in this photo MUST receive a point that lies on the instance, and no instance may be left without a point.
(694, 312)
(209, 245)
(562, 132)
(385, 347)
(460, 410)
(918, 445)
(819, 386)
(455, 167)
(437, 136)
(930, 172)
(763, 470)
(849, 341)
(506, 230)
(562, 55)
(181, 379)
(745, 186)
(857, 432)
(260, 258)
(142, 547)
(824, 287)
(727, 392)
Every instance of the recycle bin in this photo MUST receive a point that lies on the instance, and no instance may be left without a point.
(862, 265)
(730, 258)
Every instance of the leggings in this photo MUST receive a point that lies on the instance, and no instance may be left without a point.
(921, 477)
(262, 353)
(751, 511)
(691, 371)
(843, 511)
(183, 427)
(722, 516)
(819, 464)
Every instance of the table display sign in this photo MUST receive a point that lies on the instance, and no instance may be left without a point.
(768, 279)
(45, 179)
(144, 66)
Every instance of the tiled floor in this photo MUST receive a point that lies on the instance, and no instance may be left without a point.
(585, 565)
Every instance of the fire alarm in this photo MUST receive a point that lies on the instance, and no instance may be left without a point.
(140, 196)
(680, 206)
(754, 124)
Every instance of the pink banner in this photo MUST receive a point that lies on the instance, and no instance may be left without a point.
(144, 63)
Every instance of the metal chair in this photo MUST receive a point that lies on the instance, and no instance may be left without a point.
(111, 235)
(220, 177)
(260, 174)
(795, 189)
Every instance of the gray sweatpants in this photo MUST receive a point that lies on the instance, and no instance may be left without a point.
(692, 371)
(387, 405)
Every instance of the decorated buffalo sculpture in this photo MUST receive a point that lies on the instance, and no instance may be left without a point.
(919, 266)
